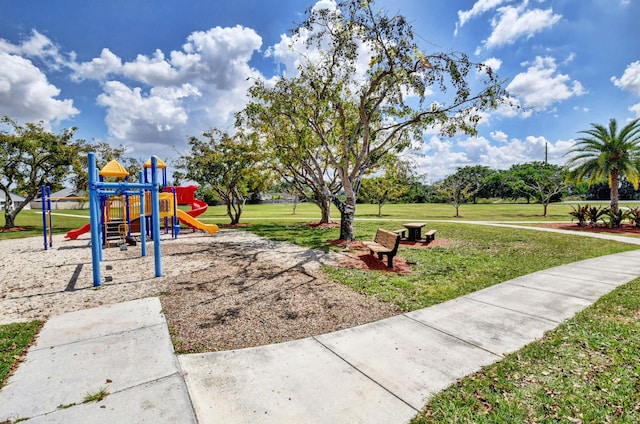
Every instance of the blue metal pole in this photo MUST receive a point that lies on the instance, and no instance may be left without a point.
(49, 216)
(94, 210)
(143, 221)
(174, 225)
(155, 214)
(44, 217)
(128, 211)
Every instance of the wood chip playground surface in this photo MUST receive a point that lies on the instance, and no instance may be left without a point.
(226, 291)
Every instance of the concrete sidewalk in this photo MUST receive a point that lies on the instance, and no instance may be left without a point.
(384, 372)
(123, 348)
(381, 372)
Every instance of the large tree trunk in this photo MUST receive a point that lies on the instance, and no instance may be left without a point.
(325, 210)
(323, 201)
(615, 176)
(347, 213)
(9, 216)
(9, 211)
(234, 210)
(9, 219)
(347, 216)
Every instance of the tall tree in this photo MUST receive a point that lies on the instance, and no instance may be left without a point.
(369, 92)
(231, 165)
(603, 153)
(458, 189)
(497, 184)
(540, 180)
(475, 176)
(31, 157)
(295, 152)
(397, 179)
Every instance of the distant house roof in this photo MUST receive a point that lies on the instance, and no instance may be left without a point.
(69, 192)
(14, 197)
(66, 192)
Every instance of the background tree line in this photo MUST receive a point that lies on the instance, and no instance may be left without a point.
(235, 170)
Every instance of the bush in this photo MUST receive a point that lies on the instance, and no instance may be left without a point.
(616, 218)
(595, 214)
(634, 215)
(580, 213)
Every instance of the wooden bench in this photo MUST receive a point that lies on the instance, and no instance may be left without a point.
(385, 243)
(429, 236)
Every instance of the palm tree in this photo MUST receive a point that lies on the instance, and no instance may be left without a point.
(603, 153)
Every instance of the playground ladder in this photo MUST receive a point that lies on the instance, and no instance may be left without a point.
(113, 232)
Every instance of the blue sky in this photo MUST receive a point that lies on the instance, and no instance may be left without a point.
(148, 74)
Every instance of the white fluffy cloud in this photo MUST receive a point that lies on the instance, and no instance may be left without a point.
(510, 23)
(25, 91)
(98, 68)
(494, 63)
(514, 23)
(480, 7)
(499, 136)
(41, 47)
(133, 115)
(161, 98)
(630, 79)
(542, 85)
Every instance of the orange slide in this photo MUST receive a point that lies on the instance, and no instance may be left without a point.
(187, 219)
(74, 234)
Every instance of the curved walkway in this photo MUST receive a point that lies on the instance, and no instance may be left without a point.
(381, 372)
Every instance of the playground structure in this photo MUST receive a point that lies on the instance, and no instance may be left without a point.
(118, 209)
(121, 214)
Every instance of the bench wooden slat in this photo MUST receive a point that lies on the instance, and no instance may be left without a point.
(385, 243)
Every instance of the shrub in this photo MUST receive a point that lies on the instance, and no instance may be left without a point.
(595, 214)
(634, 215)
(616, 218)
(580, 213)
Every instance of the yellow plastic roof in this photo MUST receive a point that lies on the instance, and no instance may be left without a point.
(114, 169)
(161, 164)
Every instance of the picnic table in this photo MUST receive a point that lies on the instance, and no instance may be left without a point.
(415, 230)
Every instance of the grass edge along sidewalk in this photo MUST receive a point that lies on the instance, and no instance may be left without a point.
(15, 339)
(586, 370)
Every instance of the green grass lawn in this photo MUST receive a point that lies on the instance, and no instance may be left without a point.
(478, 257)
(588, 369)
(401, 212)
(65, 220)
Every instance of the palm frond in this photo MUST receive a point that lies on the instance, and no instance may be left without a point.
(600, 151)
